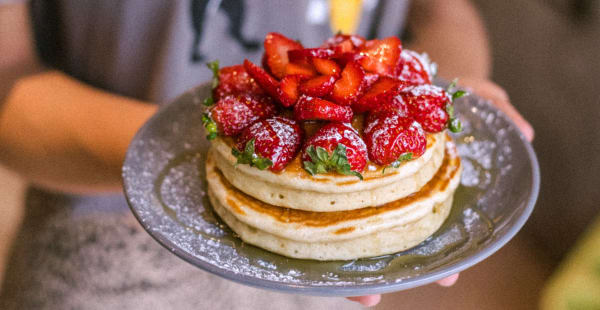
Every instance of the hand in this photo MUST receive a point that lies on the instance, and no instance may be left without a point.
(491, 91)
(372, 300)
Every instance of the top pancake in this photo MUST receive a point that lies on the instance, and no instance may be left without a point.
(296, 189)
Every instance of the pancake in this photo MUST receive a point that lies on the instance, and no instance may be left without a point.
(294, 188)
(392, 240)
(309, 226)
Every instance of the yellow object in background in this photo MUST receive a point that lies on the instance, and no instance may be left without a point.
(575, 285)
(344, 15)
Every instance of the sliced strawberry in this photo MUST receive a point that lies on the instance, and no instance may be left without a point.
(233, 113)
(380, 93)
(347, 89)
(271, 142)
(288, 89)
(276, 50)
(319, 86)
(370, 80)
(381, 56)
(311, 108)
(392, 138)
(335, 147)
(326, 66)
(268, 83)
(427, 104)
(343, 39)
(303, 69)
(234, 80)
(414, 68)
(307, 53)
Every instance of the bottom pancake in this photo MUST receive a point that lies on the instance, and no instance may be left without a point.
(388, 241)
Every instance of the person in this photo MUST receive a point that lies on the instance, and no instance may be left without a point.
(76, 82)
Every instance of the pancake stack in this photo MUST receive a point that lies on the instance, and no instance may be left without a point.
(333, 152)
(332, 216)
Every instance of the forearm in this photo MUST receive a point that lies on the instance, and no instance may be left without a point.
(65, 135)
(454, 36)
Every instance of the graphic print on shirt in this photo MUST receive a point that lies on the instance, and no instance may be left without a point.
(234, 11)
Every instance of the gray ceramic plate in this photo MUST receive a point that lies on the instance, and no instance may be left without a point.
(165, 186)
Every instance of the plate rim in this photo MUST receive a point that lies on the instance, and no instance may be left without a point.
(350, 290)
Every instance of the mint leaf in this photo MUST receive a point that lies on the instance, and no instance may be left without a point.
(402, 158)
(458, 94)
(322, 162)
(248, 157)
(450, 110)
(455, 125)
(210, 125)
(214, 66)
(452, 85)
(208, 101)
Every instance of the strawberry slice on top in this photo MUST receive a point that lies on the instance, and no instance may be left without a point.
(348, 88)
(335, 147)
(319, 86)
(392, 138)
(414, 68)
(381, 56)
(313, 108)
(269, 143)
(380, 94)
(276, 51)
(264, 79)
(288, 89)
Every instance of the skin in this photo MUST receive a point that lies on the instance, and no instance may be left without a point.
(49, 121)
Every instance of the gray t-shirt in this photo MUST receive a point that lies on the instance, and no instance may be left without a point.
(79, 252)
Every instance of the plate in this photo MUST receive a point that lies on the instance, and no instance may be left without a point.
(165, 186)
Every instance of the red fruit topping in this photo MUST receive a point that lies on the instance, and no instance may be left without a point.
(233, 113)
(335, 147)
(319, 86)
(271, 142)
(413, 68)
(268, 83)
(276, 49)
(341, 39)
(381, 56)
(395, 103)
(326, 66)
(307, 53)
(233, 81)
(392, 138)
(370, 79)
(347, 89)
(311, 108)
(300, 69)
(288, 89)
(427, 104)
(380, 94)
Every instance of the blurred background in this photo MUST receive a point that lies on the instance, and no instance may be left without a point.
(545, 55)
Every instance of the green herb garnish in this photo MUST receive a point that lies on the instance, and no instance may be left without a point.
(322, 162)
(248, 157)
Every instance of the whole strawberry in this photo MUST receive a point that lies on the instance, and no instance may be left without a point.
(269, 143)
(392, 138)
(335, 147)
(235, 80)
(233, 113)
(432, 106)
